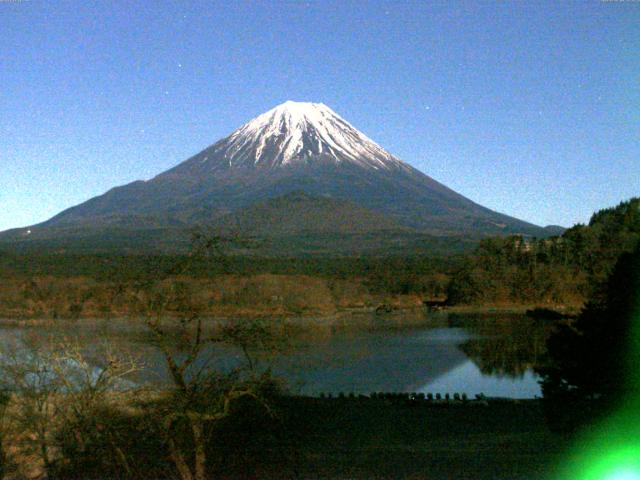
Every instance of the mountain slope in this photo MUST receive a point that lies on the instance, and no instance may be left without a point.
(298, 213)
(294, 147)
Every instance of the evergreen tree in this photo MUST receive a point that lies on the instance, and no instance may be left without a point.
(587, 372)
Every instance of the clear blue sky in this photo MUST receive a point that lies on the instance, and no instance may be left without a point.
(529, 108)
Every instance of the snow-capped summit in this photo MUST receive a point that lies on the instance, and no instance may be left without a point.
(298, 132)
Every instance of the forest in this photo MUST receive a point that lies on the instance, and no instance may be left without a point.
(561, 270)
(557, 272)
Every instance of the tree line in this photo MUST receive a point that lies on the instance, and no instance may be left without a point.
(564, 269)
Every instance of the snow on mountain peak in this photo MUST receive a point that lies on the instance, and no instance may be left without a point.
(297, 132)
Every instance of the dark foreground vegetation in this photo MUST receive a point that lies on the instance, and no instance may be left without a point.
(302, 437)
(591, 369)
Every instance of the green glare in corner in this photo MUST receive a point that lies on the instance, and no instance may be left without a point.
(621, 464)
(624, 474)
(612, 451)
(608, 457)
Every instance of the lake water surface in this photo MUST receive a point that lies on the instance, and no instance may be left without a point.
(493, 355)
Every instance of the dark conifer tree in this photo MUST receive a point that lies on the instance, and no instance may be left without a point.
(589, 359)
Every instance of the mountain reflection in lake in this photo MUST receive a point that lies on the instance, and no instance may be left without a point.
(446, 354)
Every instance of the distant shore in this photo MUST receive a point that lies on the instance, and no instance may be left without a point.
(399, 317)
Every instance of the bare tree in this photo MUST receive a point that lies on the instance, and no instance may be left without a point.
(53, 384)
(90, 385)
(201, 395)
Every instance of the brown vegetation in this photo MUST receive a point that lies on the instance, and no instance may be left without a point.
(51, 297)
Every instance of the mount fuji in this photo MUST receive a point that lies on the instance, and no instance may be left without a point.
(298, 169)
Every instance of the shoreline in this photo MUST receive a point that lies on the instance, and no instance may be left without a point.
(397, 318)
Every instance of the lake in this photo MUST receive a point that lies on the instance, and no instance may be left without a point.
(439, 353)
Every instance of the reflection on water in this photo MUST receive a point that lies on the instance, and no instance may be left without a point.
(469, 378)
(465, 354)
(508, 346)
